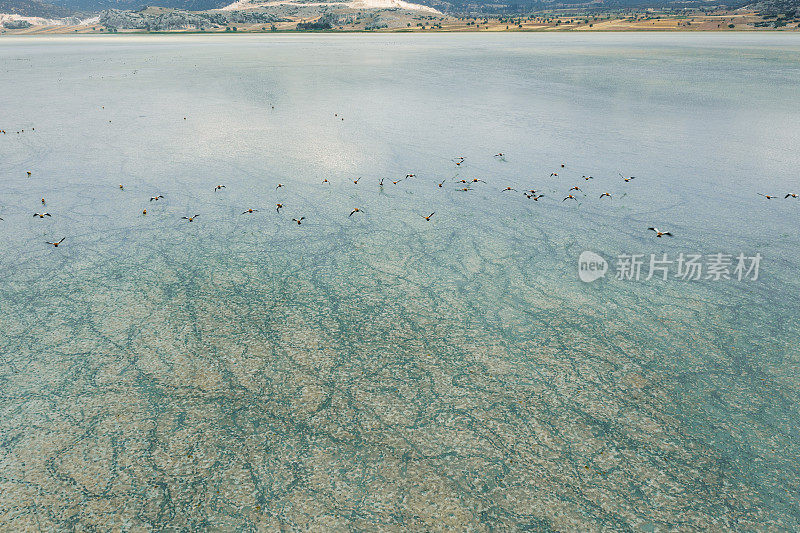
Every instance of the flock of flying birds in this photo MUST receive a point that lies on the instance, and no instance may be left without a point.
(464, 185)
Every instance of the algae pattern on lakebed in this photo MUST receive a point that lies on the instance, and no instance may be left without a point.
(243, 372)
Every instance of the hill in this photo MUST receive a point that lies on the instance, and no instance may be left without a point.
(34, 8)
(778, 11)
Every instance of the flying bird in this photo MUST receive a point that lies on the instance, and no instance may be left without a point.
(793, 195)
(356, 180)
(278, 207)
(56, 243)
(576, 188)
(249, 211)
(767, 196)
(218, 187)
(626, 179)
(568, 197)
(190, 219)
(299, 220)
(509, 189)
(355, 210)
(442, 183)
(279, 186)
(605, 194)
(428, 218)
(42, 215)
(156, 198)
(660, 233)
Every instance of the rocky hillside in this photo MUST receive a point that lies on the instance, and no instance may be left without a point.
(179, 20)
(778, 13)
(135, 5)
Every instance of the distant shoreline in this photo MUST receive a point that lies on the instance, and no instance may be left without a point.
(380, 32)
(161, 21)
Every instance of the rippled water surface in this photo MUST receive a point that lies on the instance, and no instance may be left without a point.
(379, 370)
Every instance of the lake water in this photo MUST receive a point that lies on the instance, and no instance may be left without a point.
(380, 370)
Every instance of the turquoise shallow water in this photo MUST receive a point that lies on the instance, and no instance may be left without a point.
(241, 372)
